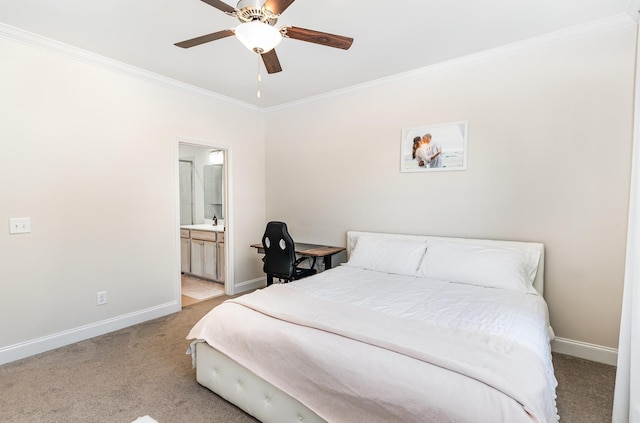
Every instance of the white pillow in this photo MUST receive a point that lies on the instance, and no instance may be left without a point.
(387, 255)
(471, 264)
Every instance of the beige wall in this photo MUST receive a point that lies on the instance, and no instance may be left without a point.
(90, 155)
(549, 161)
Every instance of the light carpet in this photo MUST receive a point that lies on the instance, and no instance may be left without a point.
(143, 370)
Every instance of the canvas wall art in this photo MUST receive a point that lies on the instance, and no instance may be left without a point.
(434, 148)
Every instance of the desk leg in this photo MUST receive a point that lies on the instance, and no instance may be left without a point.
(269, 279)
(327, 262)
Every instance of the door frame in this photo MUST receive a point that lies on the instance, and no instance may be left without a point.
(229, 285)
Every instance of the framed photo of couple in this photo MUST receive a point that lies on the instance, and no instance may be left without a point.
(434, 148)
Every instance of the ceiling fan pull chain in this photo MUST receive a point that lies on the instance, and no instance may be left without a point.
(259, 76)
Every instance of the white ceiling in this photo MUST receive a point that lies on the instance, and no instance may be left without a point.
(390, 37)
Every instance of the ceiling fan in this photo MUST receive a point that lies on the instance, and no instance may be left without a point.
(256, 30)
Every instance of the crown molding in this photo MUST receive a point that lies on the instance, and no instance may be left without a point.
(622, 20)
(15, 34)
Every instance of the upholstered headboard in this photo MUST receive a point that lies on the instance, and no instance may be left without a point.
(538, 283)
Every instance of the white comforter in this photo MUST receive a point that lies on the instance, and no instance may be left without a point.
(407, 349)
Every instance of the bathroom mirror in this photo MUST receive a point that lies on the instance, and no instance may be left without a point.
(202, 182)
(213, 191)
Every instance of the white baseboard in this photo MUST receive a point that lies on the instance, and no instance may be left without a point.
(60, 339)
(14, 352)
(249, 285)
(585, 350)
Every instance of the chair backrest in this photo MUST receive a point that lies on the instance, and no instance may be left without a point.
(279, 250)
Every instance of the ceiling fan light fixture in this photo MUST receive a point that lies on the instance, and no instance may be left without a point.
(258, 36)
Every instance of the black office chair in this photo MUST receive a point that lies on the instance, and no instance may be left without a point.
(280, 255)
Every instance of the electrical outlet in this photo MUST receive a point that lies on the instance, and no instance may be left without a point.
(101, 298)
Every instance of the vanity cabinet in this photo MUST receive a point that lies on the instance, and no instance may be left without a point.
(206, 259)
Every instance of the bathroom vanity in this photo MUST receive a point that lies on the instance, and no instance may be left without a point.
(202, 251)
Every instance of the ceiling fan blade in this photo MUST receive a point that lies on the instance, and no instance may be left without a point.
(271, 62)
(205, 38)
(277, 6)
(317, 37)
(220, 5)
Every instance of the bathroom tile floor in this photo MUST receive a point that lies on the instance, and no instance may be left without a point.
(195, 290)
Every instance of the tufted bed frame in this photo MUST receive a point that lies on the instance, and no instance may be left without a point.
(269, 404)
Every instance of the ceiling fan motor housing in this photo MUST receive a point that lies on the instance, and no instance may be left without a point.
(254, 10)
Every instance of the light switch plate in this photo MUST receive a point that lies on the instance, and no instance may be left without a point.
(19, 225)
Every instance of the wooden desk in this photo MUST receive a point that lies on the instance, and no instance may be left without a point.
(311, 250)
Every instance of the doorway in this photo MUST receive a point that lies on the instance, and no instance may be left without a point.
(203, 201)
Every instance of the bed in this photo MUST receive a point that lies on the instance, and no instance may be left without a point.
(411, 328)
